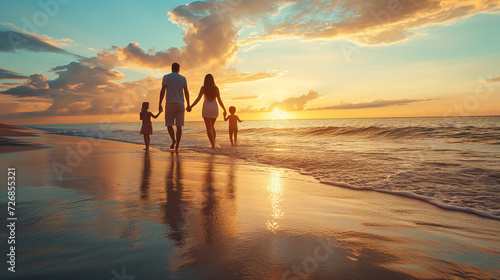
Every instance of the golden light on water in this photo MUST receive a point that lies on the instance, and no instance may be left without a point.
(275, 195)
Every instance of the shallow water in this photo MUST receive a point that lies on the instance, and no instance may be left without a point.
(157, 215)
(450, 162)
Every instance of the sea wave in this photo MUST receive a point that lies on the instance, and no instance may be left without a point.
(484, 135)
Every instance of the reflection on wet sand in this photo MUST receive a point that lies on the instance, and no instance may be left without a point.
(200, 216)
(218, 212)
(146, 177)
(173, 208)
(210, 204)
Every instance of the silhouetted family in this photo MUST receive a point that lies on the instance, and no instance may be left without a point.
(173, 87)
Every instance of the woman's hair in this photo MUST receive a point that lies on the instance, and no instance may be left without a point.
(145, 106)
(210, 87)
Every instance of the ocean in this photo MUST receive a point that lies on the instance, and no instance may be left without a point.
(451, 162)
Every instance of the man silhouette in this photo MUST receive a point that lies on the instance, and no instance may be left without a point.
(173, 85)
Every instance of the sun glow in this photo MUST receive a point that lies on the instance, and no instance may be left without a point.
(279, 115)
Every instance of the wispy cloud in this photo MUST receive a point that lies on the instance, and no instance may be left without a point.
(371, 22)
(372, 104)
(493, 80)
(11, 41)
(10, 75)
(13, 38)
(244, 98)
(289, 104)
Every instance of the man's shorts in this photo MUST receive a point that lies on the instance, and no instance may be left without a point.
(174, 112)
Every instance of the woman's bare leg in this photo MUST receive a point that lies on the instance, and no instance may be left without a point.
(213, 128)
(210, 131)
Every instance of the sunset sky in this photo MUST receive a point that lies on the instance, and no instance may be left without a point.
(67, 61)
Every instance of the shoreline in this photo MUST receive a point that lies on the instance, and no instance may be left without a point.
(138, 210)
(410, 195)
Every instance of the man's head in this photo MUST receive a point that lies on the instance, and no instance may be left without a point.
(176, 67)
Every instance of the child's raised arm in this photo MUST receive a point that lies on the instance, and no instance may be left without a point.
(238, 118)
(156, 114)
(226, 117)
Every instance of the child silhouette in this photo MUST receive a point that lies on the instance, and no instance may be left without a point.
(233, 124)
(147, 126)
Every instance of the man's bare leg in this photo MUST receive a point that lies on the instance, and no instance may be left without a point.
(179, 136)
(172, 136)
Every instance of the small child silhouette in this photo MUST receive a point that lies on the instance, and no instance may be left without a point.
(147, 126)
(233, 124)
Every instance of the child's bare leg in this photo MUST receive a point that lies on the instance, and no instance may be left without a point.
(231, 136)
(236, 137)
(146, 141)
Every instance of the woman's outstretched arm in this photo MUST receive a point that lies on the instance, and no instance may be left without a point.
(220, 101)
(202, 90)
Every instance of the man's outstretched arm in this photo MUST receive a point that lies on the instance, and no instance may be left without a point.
(162, 95)
(186, 94)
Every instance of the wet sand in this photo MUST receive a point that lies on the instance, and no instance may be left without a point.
(97, 209)
(11, 139)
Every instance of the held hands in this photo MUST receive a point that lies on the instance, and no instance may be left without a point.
(189, 108)
(160, 108)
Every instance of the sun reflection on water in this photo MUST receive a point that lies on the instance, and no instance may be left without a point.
(275, 190)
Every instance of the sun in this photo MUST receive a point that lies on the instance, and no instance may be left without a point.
(278, 114)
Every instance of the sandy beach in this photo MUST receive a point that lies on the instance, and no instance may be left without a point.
(12, 139)
(98, 209)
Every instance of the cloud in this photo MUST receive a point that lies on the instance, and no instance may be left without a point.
(35, 86)
(12, 40)
(83, 89)
(289, 104)
(159, 62)
(371, 22)
(232, 77)
(10, 75)
(10, 107)
(493, 80)
(243, 98)
(373, 104)
(211, 37)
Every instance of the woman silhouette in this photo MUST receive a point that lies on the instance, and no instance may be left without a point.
(210, 110)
